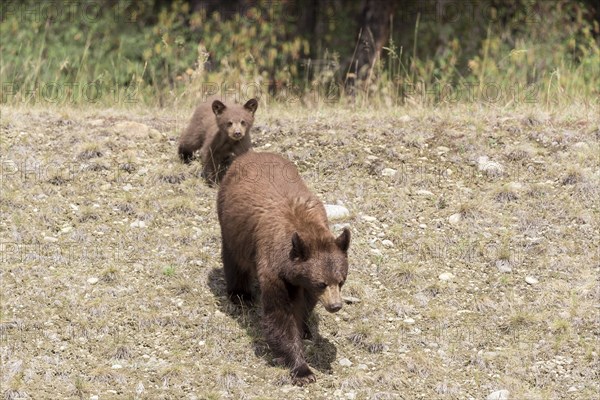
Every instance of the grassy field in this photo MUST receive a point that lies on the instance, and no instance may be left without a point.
(474, 262)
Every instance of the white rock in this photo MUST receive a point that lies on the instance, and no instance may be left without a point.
(409, 321)
(368, 218)
(531, 280)
(66, 229)
(443, 149)
(446, 276)
(388, 172)
(404, 118)
(422, 226)
(138, 224)
(503, 266)
(336, 212)
(50, 239)
(344, 362)
(127, 187)
(92, 280)
(572, 389)
(351, 395)
(94, 397)
(499, 395)
(454, 218)
(350, 299)
(387, 243)
(362, 366)
(117, 366)
(376, 252)
(423, 192)
(490, 167)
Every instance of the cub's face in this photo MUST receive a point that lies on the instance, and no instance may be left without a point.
(235, 119)
(324, 270)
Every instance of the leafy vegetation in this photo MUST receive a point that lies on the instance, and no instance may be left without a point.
(160, 54)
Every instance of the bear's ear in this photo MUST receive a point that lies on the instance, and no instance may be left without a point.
(343, 241)
(251, 105)
(218, 107)
(299, 248)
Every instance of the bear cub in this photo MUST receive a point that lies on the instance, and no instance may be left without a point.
(275, 231)
(221, 132)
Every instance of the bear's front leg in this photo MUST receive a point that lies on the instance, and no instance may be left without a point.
(284, 336)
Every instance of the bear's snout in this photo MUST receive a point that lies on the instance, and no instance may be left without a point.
(335, 307)
(237, 135)
(332, 299)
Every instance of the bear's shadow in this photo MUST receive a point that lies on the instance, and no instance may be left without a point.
(320, 352)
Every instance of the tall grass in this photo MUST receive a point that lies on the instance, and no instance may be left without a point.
(130, 54)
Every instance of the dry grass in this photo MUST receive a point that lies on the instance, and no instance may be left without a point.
(111, 279)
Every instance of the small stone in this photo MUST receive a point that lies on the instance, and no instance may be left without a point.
(503, 266)
(572, 389)
(499, 395)
(362, 367)
(423, 192)
(409, 321)
(446, 276)
(492, 168)
(368, 218)
(74, 207)
(138, 224)
(387, 243)
(376, 252)
(514, 186)
(531, 280)
(117, 366)
(443, 149)
(388, 172)
(351, 395)
(201, 342)
(422, 226)
(92, 280)
(66, 229)
(350, 299)
(344, 362)
(404, 118)
(454, 219)
(50, 239)
(336, 212)
(94, 397)
(127, 187)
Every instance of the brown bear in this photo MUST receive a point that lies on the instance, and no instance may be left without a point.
(221, 132)
(275, 231)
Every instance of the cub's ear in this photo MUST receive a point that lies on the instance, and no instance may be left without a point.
(343, 241)
(299, 248)
(218, 107)
(251, 105)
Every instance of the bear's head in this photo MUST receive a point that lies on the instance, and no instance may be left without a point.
(235, 119)
(321, 267)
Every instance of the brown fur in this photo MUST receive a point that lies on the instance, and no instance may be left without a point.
(221, 132)
(275, 230)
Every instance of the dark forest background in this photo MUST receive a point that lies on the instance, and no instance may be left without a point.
(161, 52)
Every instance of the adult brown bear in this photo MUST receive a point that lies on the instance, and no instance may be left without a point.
(275, 230)
(221, 132)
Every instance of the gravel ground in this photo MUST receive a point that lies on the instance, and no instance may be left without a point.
(474, 263)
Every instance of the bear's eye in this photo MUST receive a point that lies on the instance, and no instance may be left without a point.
(322, 285)
(229, 123)
(243, 123)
